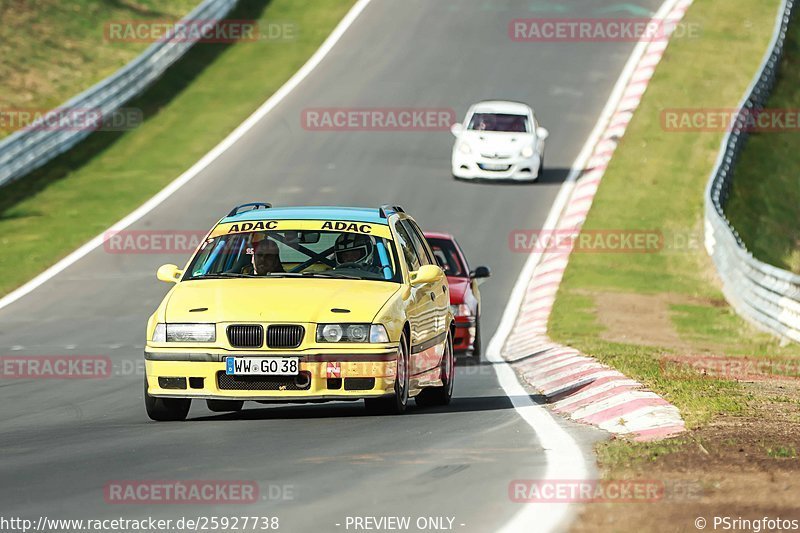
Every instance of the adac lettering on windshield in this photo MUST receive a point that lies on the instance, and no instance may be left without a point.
(261, 225)
(349, 227)
(363, 228)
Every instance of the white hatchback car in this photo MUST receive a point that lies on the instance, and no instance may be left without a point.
(498, 140)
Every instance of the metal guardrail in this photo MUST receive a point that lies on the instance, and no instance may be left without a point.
(767, 296)
(31, 147)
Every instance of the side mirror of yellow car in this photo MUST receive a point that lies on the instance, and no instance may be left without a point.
(169, 273)
(426, 274)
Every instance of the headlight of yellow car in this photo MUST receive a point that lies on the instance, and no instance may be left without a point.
(185, 333)
(352, 333)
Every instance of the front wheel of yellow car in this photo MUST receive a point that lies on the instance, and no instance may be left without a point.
(441, 395)
(165, 409)
(397, 403)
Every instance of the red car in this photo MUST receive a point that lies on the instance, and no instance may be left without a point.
(465, 298)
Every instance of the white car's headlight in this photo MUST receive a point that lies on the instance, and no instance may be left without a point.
(464, 148)
(185, 333)
(527, 152)
(351, 333)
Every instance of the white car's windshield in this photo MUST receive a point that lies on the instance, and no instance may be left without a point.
(499, 122)
(293, 253)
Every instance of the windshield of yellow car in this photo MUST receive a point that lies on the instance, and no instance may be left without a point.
(296, 253)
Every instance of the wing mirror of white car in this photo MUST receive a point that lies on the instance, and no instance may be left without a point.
(169, 273)
(426, 274)
(457, 128)
(542, 133)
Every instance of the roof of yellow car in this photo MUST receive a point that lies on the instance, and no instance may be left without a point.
(347, 214)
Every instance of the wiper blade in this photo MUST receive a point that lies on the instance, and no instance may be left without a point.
(329, 275)
(222, 275)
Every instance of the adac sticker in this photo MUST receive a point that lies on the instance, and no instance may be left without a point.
(333, 370)
(253, 226)
(352, 227)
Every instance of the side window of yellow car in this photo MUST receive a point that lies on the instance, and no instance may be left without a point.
(407, 247)
(424, 251)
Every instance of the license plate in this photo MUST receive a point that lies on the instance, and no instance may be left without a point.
(262, 366)
(495, 166)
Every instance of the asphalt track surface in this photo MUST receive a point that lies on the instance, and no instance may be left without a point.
(62, 441)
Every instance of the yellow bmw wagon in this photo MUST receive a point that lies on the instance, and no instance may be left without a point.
(302, 304)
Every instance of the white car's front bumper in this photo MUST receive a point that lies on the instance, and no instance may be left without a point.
(475, 166)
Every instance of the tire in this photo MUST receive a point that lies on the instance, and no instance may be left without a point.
(165, 409)
(541, 168)
(224, 406)
(477, 346)
(397, 403)
(433, 396)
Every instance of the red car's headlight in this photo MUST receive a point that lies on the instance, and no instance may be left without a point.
(460, 310)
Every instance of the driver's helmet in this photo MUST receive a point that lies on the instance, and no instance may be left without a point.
(353, 248)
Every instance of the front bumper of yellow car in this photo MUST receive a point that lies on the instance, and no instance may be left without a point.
(328, 375)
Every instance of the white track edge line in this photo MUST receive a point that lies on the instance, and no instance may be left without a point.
(200, 165)
(565, 460)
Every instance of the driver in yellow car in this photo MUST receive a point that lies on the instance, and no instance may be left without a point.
(265, 259)
(355, 251)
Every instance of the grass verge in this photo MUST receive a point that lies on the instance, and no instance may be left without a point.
(86, 190)
(656, 182)
(635, 312)
(766, 188)
(51, 50)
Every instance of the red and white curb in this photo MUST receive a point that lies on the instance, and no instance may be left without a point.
(579, 386)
